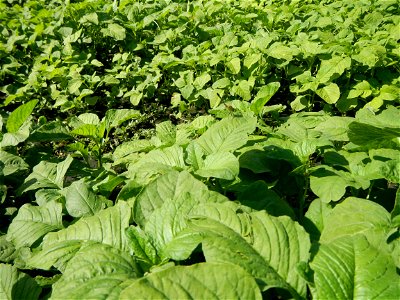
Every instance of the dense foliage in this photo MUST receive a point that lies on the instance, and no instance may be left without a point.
(199, 149)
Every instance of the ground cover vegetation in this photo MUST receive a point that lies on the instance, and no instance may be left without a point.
(199, 149)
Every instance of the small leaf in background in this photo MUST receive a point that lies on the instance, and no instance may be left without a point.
(18, 117)
(115, 117)
(115, 31)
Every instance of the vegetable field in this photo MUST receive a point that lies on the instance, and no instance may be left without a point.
(202, 149)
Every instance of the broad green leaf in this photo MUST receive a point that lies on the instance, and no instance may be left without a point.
(201, 80)
(330, 93)
(168, 186)
(13, 139)
(89, 130)
(80, 200)
(243, 90)
(330, 184)
(74, 85)
(221, 83)
(20, 115)
(355, 215)
(280, 51)
(88, 118)
(47, 175)
(142, 245)
(332, 68)
(222, 165)
(263, 96)
(11, 163)
(335, 128)
(17, 285)
(194, 155)
(315, 218)
(51, 131)
(200, 281)
(269, 244)
(33, 222)
(106, 227)
(352, 268)
(367, 135)
(87, 276)
(234, 65)
(227, 135)
(166, 133)
(115, 117)
(44, 196)
(7, 250)
(115, 31)
(259, 197)
(90, 18)
(300, 103)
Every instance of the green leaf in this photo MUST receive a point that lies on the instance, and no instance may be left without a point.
(74, 85)
(234, 65)
(372, 136)
(269, 250)
(227, 135)
(355, 215)
(330, 93)
(88, 277)
(221, 83)
(33, 222)
(115, 31)
(20, 115)
(106, 227)
(258, 196)
(352, 268)
(330, 184)
(115, 117)
(13, 139)
(46, 175)
(51, 131)
(80, 201)
(332, 68)
(142, 245)
(263, 96)
(89, 130)
(200, 281)
(11, 163)
(201, 80)
(222, 165)
(243, 90)
(335, 128)
(168, 186)
(17, 285)
(7, 250)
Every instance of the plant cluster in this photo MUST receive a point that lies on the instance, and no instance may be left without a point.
(199, 149)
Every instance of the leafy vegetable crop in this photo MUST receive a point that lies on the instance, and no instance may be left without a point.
(199, 149)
